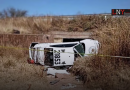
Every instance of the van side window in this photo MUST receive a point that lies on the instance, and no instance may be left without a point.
(64, 45)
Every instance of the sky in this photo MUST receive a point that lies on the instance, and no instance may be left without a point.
(65, 7)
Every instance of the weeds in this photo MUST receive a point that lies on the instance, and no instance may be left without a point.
(16, 73)
(108, 73)
(38, 25)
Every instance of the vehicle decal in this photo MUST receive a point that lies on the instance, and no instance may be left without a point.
(57, 57)
(92, 50)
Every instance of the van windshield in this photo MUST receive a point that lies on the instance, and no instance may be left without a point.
(79, 49)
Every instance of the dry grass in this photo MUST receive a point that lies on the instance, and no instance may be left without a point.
(38, 25)
(17, 74)
(97, 72)
(108, 73)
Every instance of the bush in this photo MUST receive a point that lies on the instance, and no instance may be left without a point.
(12, 12)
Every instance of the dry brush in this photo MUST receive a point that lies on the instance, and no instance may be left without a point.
(104, 72)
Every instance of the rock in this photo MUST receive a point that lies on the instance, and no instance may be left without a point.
(54, 82)
(50, 76)
(53, 71)
(15, 31)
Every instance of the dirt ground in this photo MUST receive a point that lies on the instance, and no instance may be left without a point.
(68, 82)
(24, 76)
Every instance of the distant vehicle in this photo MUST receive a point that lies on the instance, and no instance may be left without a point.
(61, 54)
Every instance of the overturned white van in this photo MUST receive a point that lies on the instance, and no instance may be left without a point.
(61, 54)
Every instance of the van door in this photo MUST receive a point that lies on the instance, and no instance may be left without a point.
(63, 56)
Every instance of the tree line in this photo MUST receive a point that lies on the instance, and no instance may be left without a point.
(12, 12)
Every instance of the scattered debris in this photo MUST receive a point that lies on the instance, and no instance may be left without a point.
(30, 61)
(69, 68)
(54, 82)
(69, 85)
(46, 68)
(50, 76)
(78, 78)
(53, 71)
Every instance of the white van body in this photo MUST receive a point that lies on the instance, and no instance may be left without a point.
(62, 54)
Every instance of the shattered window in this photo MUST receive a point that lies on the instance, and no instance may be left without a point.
(79, 48)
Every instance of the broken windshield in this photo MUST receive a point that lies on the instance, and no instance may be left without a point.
(79, 49)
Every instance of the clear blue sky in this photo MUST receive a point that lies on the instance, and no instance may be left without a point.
(65, 7)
